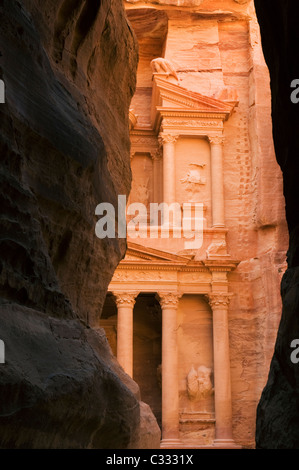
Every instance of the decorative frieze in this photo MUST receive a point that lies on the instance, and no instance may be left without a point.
(181, 123)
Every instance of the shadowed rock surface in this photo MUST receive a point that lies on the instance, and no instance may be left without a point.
(278, 410)
(69, 69)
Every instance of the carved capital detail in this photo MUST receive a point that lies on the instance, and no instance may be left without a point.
(221, 300)
(157, 155)
(216, 140)
(125, 299)
(167, 138)
(169, 299)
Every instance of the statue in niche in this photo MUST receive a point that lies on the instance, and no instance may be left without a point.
(141, 192)
(163, 66)
(193, 178)
(199, 385)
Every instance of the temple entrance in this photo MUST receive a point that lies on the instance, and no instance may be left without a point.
(147, 339)
(147, 345)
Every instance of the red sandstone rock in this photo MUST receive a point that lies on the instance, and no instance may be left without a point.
(278, 412)
(69, 70)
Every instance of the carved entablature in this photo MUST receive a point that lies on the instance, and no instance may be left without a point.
(188, 122)
(143, 141)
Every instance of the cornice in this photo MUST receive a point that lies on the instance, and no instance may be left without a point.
(190, 113)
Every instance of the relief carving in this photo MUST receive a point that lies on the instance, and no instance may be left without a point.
(193, 179)
(141, 192)
(217, 248)
(199, 384)
(190, 123)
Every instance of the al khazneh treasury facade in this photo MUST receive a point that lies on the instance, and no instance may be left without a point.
(195, 327)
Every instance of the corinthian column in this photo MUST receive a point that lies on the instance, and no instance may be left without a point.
(168, 142)
(125, 304)
(219, 303)
(170, 387)
(157, 159)
(216, 144)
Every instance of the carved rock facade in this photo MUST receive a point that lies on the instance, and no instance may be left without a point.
(210, 125)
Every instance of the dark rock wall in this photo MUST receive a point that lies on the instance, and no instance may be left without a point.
(278, 409)
(69, 69)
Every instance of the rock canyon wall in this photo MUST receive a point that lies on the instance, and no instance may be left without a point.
(278, 410)
(69, 70)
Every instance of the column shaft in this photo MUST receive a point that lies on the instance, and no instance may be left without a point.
(217, 182)
(170, 390)
(157, 157)
(168, 142)
(222, 380)
(125, 305)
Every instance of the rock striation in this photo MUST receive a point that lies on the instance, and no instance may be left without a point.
(278, 409)
(69, 71)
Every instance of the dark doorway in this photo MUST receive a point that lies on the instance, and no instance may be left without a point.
(147, 349)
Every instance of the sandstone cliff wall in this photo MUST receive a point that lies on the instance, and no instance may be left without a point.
(278, 410)
(69, 69)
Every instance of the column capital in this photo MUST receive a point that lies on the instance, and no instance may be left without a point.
(221, 299)
(157, 155)
(125, 299)
(166, 138)
(169, 299)
(216, 139)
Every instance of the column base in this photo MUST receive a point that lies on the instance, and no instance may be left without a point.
(171, 444)
(225, 444)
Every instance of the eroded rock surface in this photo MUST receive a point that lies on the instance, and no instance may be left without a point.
(69, 69)
(278, 410)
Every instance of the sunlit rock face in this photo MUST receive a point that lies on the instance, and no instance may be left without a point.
(278, 410)
(69, 71)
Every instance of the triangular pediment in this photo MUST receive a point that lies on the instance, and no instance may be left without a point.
(141, 254)
(171, 95)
